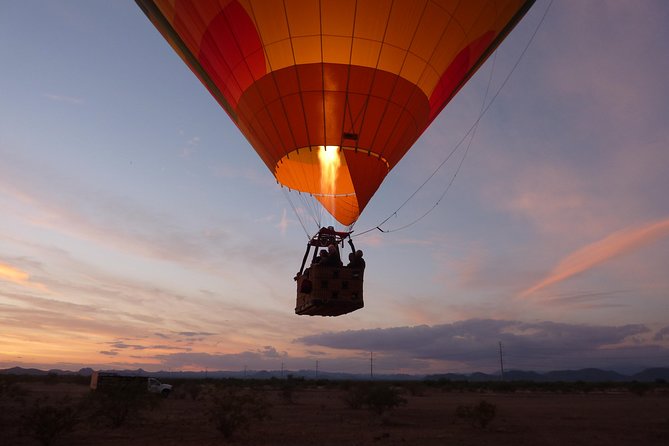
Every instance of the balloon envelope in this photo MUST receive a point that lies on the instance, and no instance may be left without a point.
(361, 78)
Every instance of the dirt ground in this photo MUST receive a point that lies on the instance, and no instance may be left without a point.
(322, 416)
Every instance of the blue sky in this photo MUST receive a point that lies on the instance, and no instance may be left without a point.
(139, 229)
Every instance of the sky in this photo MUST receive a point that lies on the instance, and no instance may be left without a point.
(138, 229)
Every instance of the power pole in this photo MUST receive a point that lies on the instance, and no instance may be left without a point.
(317, 367)
(501, 362)
(371, 365)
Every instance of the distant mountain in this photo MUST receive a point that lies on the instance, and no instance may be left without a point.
(520, 375)
(38, 372)
(585, 375)
(654, 374)
(22, 371)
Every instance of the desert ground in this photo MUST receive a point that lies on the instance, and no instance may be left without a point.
(279, 412)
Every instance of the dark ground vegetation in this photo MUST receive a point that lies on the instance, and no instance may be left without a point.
(61, 410)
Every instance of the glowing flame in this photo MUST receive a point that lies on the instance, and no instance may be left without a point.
(328, 156)
(329, 159)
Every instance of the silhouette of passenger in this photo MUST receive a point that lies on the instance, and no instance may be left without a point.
(333, 256)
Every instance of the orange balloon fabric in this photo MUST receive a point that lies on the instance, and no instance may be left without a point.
(362, 77)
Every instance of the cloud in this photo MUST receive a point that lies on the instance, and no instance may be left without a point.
(662, 334)
(254, 176)
(123, 224)
(12, 274)
(123, 345)
(67, 99)
(191, 334)
(18, 276)
(589, 300)
(283, 223)
(473, 344)
(190, 147)
(267, 358)
(594, 254)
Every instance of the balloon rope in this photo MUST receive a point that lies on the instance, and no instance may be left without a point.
(287, 195)
(472, 131)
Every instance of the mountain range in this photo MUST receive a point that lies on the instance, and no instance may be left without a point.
(585, 375)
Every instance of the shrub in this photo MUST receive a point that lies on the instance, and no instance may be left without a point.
(480, 415)
(356, 396)
(233, 410)
(49, 423)
(384, 397)
(118, 403)
(11, 391)
(288, 388)
(189, 389)
(378, 398)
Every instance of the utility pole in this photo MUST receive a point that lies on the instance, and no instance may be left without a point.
(371, 365)
(244, 372)
(282, 370)
(501, 362)
(317, 367)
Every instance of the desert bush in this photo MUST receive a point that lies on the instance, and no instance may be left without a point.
(479, 415)
(378, 398)
(415, 388)
(356, 396)
(116, 404)
(191, 389)
(639, 388)
(384, 397)
(51, 378)
(233, 410)
(288, 390)
(11, 391)
(48, 423)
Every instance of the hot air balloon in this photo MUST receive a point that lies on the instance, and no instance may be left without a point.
(333, 93)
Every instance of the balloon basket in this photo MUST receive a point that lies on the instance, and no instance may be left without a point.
(324, 290)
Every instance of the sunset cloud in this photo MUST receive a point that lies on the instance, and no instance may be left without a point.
(141, 229)
(12, 274)
(594, 254)
(17, 276)
(63, 98)
(472, 344)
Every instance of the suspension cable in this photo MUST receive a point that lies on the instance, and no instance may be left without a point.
(472, 131)
(297, 214)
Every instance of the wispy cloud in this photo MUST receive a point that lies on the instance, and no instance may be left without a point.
(18, 276)
(662, 334)
(12, 274)
(63, 98)
(190, 147)
(267, 357)
(588, 300)
(124, 345)
(122, 223)
(283, 223)
(594, 254)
